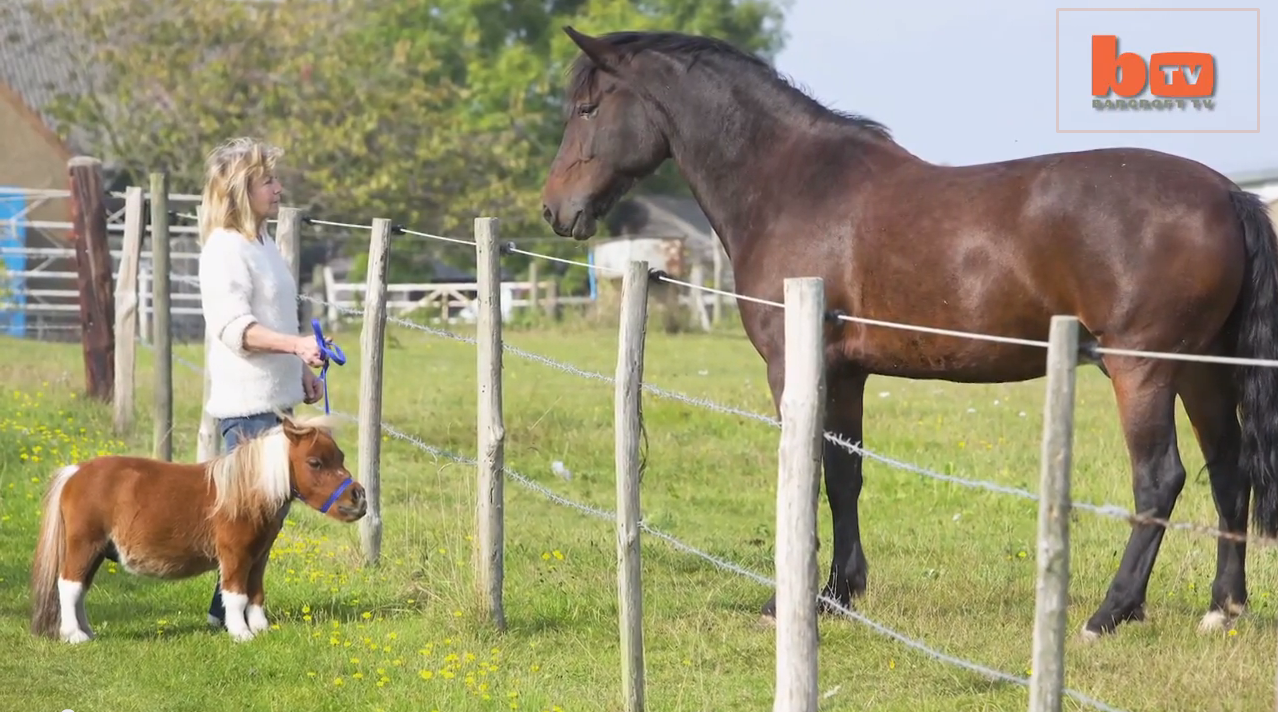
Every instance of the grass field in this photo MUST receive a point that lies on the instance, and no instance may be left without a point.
(950, 566)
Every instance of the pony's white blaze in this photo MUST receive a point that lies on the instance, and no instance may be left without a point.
(71, 598)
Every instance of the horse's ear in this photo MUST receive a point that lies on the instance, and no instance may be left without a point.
(603, 54)
(291, 429)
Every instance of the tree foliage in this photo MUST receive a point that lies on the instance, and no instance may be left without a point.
(428, 113)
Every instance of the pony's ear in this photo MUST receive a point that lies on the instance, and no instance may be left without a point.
(291, 429)
(603, 54)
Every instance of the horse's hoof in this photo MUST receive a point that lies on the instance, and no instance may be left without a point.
(1088, 636)
(75, 637)
(1217, 620)
(241, 636)
(257, 620)
(1213, 622)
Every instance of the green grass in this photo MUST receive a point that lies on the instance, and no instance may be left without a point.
(949, 565)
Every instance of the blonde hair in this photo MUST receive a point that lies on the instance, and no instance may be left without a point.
(229, 170)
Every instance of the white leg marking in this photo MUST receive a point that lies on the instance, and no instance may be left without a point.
(1213, 621)
(257, 618)
(70, 598)
(1088, 636)
(235, 604)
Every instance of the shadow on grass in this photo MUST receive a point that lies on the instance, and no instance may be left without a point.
(132, 605)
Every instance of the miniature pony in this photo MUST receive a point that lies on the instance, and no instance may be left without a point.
(176, 520)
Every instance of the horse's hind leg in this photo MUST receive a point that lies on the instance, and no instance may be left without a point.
(83, 557)
(1210, 401)
(1146, 395)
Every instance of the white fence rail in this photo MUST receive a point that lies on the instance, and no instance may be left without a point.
(448, 302)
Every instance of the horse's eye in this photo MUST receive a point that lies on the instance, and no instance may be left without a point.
(587, 110)
(314, 463)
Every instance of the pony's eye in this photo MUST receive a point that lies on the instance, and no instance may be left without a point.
(587, 110)
(314, 463)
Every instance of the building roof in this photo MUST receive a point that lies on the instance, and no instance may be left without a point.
(1257, 177)
(37, 63)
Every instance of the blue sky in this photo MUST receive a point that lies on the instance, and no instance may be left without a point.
(912, 63)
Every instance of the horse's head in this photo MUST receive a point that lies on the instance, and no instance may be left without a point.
(611, 139)
(319, 475)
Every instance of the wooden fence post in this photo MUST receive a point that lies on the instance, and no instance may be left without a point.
(371, 344)
(800, 453)
(126, 310)
(145, 307)
(93, 268)
(288, 239)
(490, 424)
(1051, 601)
(628, 424)
(163, 333)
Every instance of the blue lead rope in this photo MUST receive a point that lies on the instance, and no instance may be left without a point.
(330, 352)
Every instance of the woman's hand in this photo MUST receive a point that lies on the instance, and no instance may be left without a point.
(312, 387)
(308, 350)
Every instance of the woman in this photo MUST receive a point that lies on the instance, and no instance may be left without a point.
(257, 362)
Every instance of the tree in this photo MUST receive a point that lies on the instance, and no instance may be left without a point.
(429, 113)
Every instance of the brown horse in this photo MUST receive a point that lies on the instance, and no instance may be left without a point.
(176, 520)
(1148, 250)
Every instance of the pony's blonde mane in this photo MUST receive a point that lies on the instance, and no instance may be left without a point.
(254, 478)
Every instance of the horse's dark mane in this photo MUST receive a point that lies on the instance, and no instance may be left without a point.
(692, 47)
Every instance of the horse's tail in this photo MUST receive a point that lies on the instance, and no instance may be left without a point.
(1256, 319)
(47, 565)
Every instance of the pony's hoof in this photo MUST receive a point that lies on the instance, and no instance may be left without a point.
(75, 637)
(1087, 635)
(241, 636)
(257, 620)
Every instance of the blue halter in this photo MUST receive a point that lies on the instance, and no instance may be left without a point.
(336, 493)
(329, 351)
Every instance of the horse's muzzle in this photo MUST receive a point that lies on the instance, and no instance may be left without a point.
(358, 506)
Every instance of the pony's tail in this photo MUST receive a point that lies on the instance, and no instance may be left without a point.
(47, 565)
(1256, 323)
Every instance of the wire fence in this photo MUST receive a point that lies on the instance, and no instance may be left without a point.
(676, 543)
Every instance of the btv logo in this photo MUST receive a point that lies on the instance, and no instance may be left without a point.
(1171, 75)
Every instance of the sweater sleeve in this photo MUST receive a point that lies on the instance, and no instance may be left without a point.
(226, 292)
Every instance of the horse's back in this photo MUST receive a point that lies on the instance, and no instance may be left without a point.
(1125, 239)
(148, 513)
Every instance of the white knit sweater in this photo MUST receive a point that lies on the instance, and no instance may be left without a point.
(244, 281)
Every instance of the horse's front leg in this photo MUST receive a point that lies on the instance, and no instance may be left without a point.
(845, 397)
(237, 566)
(257, 578)
(257, 594)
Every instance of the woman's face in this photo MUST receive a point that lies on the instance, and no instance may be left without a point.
(264, 196)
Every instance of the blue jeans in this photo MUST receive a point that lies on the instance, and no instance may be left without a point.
(234, 430)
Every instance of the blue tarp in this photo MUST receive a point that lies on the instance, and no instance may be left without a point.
(13, 321)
